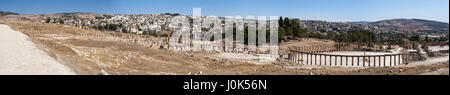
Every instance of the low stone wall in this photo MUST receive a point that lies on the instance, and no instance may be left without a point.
(149, 42)
(443, 51)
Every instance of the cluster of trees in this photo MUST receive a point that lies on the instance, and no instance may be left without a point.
(417, 38)
(357, 35)
(172, 14)
(368, 37)
(393, 38)
(246, 34)
(257, 32)
(352, 36)
(291, 28)
(112, 27)
(288, 28)
(58, 20)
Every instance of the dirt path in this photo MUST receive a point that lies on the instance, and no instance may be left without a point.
(442, 71)
(19, 55)
(427, 62)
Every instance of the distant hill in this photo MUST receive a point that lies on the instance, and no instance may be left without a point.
(7, 13)
(415, 25)
(361, 22)
(76, 13)
(73, 14)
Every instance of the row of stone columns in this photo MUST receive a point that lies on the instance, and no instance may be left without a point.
(107, 37)
(319, 48)
(342, 60)
(314, 48)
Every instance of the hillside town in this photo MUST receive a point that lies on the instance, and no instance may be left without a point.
(157, 24)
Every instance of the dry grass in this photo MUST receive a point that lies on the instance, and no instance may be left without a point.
(110, 57)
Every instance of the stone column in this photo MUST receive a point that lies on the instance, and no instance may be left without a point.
(315, 59)
(346, 60)
(335, 60)
(379, 61)
(384, 60)
(369, 60)
(364, 61)
(357, 61)
(297, 57)
(353, 60)
(395, 59)
(311, 58)
(307, 58)
(293, 56)
(330, 60)
(311, 55)
(320, 59)
(390, 60)
(301, 58)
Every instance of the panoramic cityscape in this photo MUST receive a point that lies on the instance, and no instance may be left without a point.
(205, 37)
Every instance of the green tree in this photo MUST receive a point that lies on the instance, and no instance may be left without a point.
(296, 28)
(289, 31)
(281, 33)
(286, 22)
(280, 21)
(48, 20)
(415, 38)
(427, 39)
(61, 21)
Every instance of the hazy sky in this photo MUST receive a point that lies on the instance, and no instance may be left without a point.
(328, 10)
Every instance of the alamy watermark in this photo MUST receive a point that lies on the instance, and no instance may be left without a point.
(211, 33)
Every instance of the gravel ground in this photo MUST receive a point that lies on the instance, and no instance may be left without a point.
(427, 62)
(20, 56)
